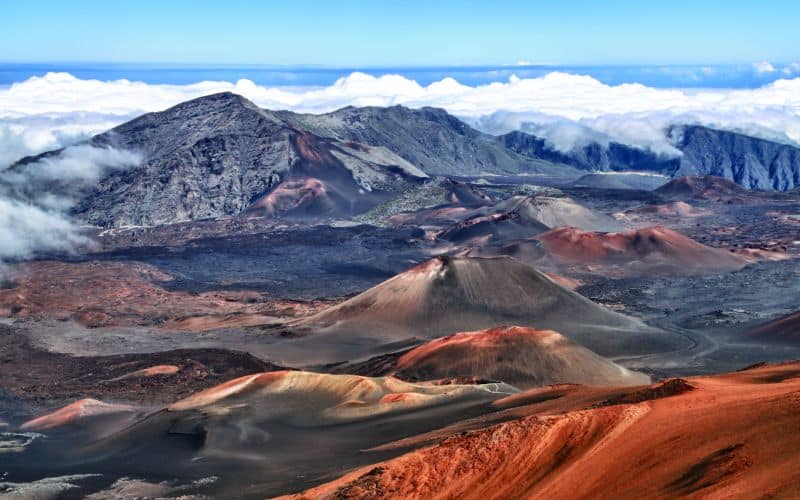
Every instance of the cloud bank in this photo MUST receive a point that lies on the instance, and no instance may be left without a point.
(567, 109)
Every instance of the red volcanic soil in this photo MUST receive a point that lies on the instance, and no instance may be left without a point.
(73, 413)
(151, 371)
(785, 329)
(522, 357)
(569, 283)
(728, 436)
(646, 251)
(128, 293)
(706, 187)
(290, 195)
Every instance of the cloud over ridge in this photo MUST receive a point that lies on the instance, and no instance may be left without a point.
(568, 109)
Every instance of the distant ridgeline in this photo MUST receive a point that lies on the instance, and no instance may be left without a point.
(223, 155)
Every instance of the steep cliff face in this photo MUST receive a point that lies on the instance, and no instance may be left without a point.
(750, 162)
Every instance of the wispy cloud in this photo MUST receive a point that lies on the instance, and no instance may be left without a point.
(792, 69)
(763, 67)
(28, 229)
(35, 200)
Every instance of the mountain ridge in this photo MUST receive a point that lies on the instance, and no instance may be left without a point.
(219, 154)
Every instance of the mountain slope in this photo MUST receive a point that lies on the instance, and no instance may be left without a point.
(593, 156)
(785, 329)
(219, 154)
(519, 218)
(722, 436)
(750, 162)
(556, 212)
(706, 187)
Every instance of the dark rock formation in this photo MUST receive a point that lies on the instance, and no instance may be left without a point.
(750, 162)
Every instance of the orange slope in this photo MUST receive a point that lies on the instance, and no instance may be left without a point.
(732, 436)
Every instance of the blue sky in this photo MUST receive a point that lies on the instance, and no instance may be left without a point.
(371, 33)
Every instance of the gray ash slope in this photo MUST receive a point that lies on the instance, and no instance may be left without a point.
(750, 162)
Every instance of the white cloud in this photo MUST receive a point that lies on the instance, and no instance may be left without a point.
(792, 68)
(763, 67)
(28, 229)
(77, 164)
(29, 135)
(34, 200)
